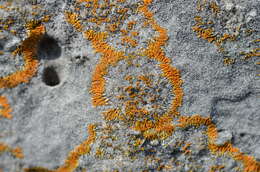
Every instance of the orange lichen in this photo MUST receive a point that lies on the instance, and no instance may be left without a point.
(3, 147)
(205, 30)
(111, 114)
(136, 117)
(195, 120)
(207, 34)
(146, 80)
(254, 53)
(227, 37)
(32, 24)
(155, 52)
(131, 24)
(173, 75)
(186, 146)
(198, 20)
(201, 6)
(129, 78)
(46, 18)
(109, 57)
(256, 40)
(5, 109)
(228, 61)
(250, 164)
(72, 18)
(134, 33)
(124, 32)
(113, 27)
(216, 168)
(72, 160)
(129, 40)
(16, 152)
(99, 153)
(29, 51)
(215, 8)
(161, 128)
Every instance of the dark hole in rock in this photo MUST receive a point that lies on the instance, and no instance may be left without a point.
(50, 76)
(48, 48)
(242, 134)
(221, 130)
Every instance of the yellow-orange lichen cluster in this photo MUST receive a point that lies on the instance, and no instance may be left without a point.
(131, 112)
(28, 49)
(209, 34)
(109, 57)
(161, 126)
(8, 22)
(5, 109)
(153, 51)
(72, 19)
(250, 164)
(228, 61)
(16, 152)
(150, 125)
(216, 168)
(72, 160)
(204, 29)
(253, 53)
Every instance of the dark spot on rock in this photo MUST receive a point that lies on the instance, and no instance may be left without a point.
(50, 76)
(48, 48)
(203, 152)
(234, 10)
(133, 91)
(242, 134)
(1, 46)
(37, 169)
(81, 59)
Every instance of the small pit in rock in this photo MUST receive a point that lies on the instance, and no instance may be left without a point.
(49, 48)
(242, 134)
(50, 76)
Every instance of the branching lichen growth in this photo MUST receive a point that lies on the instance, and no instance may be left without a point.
(208, 27)
(136, 106)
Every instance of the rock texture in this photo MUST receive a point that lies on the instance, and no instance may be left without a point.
(129, 85)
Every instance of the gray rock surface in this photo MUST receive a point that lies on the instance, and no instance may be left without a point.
(51, 112)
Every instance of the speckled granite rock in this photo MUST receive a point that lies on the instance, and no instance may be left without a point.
(158, 64)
